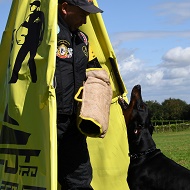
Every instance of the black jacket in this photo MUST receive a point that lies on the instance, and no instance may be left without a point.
(71, 64)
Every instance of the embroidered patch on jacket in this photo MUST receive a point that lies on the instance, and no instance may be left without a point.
(85, 51)
(63, 51)
(84, 38)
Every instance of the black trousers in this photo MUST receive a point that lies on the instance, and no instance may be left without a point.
(74, 168)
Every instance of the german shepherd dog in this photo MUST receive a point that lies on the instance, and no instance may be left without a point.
(149, 168)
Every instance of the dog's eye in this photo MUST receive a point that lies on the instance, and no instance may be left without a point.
(136, 131)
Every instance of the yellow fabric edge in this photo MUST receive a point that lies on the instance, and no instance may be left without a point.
(94, 121)
(94, 69)
(77, 94)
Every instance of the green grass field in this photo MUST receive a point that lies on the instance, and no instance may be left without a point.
(175, 145)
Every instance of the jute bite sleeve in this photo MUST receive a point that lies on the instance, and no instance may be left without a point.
(94, 109)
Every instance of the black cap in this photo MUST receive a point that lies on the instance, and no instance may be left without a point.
(86, 5)
(37, 3)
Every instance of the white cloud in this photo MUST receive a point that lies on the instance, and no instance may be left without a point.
(122, 37)
(177, 73)
(177, 57)
(177, 12)
(162, 81)
(130, 64)
(129, 68)
(155, 78)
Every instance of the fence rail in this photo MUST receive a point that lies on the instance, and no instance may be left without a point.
(172, 127)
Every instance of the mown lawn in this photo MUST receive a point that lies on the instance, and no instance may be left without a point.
(175, 145)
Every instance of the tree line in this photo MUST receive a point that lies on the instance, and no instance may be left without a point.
(169, 109)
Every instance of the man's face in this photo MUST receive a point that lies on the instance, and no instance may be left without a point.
(75, 17)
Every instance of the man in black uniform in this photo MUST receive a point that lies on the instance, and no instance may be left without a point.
(74, 168)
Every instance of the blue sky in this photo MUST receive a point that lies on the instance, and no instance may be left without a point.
(151, 40)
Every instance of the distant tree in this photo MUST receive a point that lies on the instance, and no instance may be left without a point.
(186, 112)
(174, 109)
(155, 109)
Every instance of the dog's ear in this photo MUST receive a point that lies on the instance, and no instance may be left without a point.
(124, 105)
